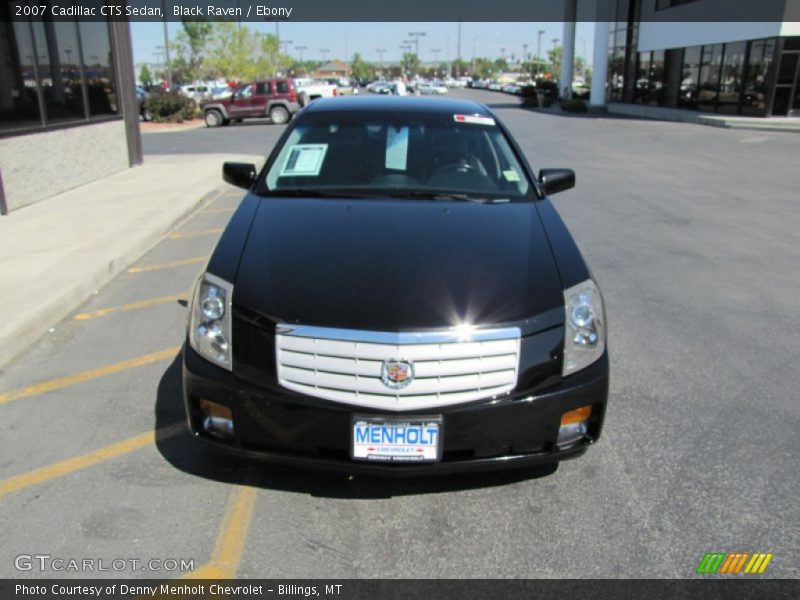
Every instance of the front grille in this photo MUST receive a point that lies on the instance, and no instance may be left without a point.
(347, 366)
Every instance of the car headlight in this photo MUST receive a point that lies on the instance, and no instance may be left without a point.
(585, 331)
(210, 320)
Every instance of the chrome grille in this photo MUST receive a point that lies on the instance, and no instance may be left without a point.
(345, 365)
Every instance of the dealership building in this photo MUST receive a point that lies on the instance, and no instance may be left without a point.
(68, 110)
(667, 54)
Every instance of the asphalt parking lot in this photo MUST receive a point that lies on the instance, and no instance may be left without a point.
(692, 234)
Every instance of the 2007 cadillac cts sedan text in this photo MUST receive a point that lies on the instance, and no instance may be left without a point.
(396, 295)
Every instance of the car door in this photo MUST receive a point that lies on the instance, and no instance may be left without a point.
(261, 98)
(241, 103)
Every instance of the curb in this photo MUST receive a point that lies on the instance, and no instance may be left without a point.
(32, 327)
(177, 129)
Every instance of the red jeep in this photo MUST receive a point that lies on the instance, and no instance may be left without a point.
(273, 98)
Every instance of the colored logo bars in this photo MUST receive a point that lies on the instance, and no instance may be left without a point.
(734, 562)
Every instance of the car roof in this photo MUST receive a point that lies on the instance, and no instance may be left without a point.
(398, 104)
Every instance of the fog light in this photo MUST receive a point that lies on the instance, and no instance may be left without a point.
(217, 419)
(573, 426)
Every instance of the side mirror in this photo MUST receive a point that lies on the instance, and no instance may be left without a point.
(556, 180)
(239, 174)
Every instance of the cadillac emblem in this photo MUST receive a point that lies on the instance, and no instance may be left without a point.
(397, 374)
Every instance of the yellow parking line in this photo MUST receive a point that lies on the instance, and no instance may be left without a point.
(232, 536)
(59, 469)
(211, 211)
(126, 307)
(168, 265)
(69, 380)
(178, 235)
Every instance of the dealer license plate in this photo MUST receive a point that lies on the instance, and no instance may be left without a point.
(387, 439)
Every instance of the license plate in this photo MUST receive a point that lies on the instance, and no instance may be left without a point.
(388, 439)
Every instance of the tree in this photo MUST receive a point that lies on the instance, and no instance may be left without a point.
(410, 63)
(359, 68)
(234, 52)
(580, 65)
(193, 40)
(500, 65)
(460, 67)
(555, 60)
(270, 59)
(145, 76)
(483, 68)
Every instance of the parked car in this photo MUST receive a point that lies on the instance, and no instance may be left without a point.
(397, 295)
(428, 88)
(275, 98)
(382, 87)
(309, 89)
(197, 92)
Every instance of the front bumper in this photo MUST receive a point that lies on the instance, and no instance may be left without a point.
(281, 427)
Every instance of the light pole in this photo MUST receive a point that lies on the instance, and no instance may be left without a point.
(524, 52)
(406, 47)
(416, 35)
(435, 52)
(300, 50)
(539, 50)
(166, 48)
(285, 44)
(472, 70)
(324, 52)
(380, 52)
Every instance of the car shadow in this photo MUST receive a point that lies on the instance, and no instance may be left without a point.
(188, 455)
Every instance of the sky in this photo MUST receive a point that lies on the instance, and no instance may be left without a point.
(343, 39)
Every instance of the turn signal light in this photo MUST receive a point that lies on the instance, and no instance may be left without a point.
(573, 427)
(576, 416)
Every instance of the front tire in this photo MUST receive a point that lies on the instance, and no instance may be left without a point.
(214, 118)
(279, 115)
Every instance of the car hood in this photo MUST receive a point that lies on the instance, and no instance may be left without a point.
(387, 265)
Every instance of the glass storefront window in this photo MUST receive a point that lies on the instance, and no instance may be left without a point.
(673, 75)
(656, 83)
(60, 71)
(756, 78)
(19, 98)
(710, 62)
(642, 78)
(690, 80)
(730, 84)
(98, 68)
(53, 72)
(787, 68)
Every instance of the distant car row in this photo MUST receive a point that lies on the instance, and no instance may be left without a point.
(579, 88)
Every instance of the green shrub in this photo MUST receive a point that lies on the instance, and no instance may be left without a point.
(574, 106)
(169, 107)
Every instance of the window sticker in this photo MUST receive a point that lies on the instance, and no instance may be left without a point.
(474, 119)
(511, 175)
(396, 148)
(304, 160)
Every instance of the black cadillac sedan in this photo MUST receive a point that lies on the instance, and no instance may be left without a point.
(396, 295)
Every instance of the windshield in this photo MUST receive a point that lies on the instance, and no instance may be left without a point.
(398, 155)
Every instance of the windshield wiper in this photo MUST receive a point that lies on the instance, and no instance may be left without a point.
(423, 195)
(314, 193)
